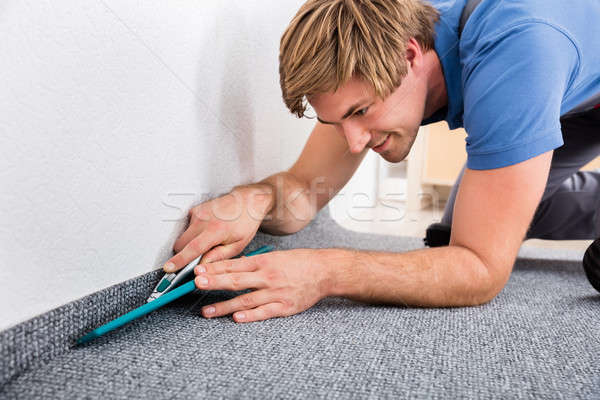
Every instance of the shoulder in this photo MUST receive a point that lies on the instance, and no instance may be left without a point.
(522, 50)
(496, 20)
(496, 15)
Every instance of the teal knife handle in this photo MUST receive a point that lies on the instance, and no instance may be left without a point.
(261, 250)
(166, 298)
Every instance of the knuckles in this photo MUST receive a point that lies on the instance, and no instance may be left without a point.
(216, 225)
(260, 260)
(272, 275)
(246, 302)
(235, 283)
(200, 213)
(287, 303)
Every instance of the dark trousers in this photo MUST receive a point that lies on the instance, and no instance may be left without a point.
(570, 205)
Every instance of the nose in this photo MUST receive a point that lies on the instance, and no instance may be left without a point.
(356, 136)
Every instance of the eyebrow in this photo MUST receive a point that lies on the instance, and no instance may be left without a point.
(348, 113)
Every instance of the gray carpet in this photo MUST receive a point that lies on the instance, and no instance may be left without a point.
(537, 339)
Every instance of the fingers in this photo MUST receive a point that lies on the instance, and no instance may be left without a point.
(261, 313)
(197, 223)
(243, 264)
(232, 281)
(208, 229)
(197, 246)
(190, 233)
(223, 252)
(248, 307)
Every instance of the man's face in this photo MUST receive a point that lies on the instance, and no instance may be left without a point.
(388, 127)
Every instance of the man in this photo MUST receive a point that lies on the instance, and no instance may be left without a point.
(374, 71)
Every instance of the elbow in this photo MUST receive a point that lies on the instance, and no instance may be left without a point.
(488, 283)
(486, 296)
(481, 295)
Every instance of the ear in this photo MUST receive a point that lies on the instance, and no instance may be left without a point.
(414, 54)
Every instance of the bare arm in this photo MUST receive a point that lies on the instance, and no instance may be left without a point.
(492, 213)
(293, 197)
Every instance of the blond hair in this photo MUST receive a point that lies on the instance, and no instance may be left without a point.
(330, 41)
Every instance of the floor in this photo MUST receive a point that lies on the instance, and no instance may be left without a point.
(392, 218)
(537, 339)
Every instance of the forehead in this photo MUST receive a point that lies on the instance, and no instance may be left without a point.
(346, 95)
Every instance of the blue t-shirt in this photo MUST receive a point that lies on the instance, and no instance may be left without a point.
(518, 67)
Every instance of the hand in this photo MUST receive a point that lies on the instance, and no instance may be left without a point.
(221, 228)
(285, 283)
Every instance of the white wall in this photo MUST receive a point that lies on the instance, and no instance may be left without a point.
(115, 118)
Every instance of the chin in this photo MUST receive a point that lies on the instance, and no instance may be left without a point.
(393, 157)
(400, 149)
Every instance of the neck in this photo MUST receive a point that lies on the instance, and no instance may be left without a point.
(437, 96)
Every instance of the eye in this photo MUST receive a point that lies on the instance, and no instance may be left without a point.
(362, 111)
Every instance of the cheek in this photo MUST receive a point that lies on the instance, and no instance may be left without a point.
(387, 122)
(404, 111)
(340, 132)
(406, 120)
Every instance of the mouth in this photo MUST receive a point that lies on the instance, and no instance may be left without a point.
(382, 145)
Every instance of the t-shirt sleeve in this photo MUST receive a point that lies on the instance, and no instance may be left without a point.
(513, 89)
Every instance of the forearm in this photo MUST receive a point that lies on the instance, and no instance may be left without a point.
(285, 202)
(432, 277)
